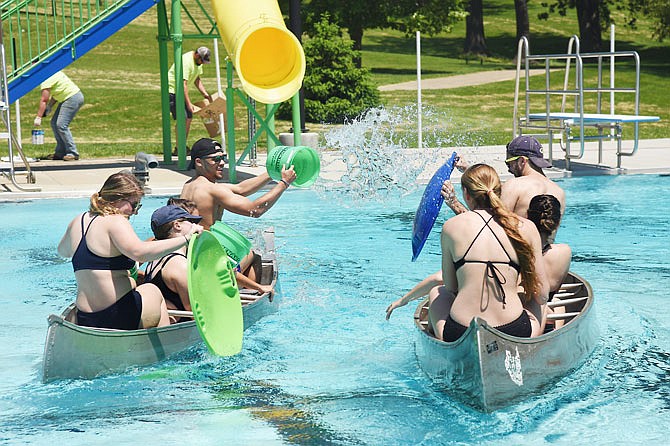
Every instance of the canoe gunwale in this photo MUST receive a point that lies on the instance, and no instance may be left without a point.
(470, 368)
(63, 335)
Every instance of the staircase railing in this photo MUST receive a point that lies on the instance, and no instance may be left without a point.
(37, 29)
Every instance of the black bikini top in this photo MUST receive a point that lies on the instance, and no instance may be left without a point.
(154, 274)
(491, 268)
(83, 258)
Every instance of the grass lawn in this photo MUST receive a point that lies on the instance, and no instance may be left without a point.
(120, 82)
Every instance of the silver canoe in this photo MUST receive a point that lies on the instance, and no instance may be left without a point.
(73, 351)
(488, 369)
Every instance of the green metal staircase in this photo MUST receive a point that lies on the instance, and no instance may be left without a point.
(44, 36)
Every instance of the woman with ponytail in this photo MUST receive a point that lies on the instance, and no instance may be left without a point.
(104, 247)
(486, 252)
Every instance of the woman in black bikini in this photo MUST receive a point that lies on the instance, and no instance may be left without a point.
(169, 273)
(104, 247)
(484, 252)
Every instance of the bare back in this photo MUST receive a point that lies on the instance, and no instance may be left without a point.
(517, 192)
(477, 292)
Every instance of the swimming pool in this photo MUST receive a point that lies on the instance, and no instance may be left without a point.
(327, 368)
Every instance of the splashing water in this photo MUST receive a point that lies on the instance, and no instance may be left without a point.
(379, 155)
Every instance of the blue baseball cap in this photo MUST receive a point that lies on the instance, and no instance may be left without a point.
(169, 213)
(529, 147)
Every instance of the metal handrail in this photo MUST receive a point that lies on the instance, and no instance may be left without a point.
(7, 123)
(40, 28)
(573, 54)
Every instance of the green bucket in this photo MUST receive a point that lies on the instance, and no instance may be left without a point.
(235, 244)
(304, 160)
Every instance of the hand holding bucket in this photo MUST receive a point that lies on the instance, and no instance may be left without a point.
(304, 160)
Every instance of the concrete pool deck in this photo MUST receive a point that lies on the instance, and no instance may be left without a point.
(83, 177)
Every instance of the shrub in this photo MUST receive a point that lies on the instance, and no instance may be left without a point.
(334, 87)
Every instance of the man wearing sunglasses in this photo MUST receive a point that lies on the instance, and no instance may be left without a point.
(212, 197)
(524, 160)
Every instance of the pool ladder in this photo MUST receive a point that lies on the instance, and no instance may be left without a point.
(7, 134)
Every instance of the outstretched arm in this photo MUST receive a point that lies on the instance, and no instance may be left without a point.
(420, 289)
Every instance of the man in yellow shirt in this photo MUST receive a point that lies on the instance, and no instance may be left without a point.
(60, 89)
(191, 72)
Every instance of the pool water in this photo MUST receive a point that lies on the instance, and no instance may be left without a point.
(327, 368)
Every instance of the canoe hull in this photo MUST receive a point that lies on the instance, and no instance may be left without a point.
(488, 369)
(73, 351)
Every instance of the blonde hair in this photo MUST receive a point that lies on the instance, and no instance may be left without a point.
(483, 184)
(119, 186)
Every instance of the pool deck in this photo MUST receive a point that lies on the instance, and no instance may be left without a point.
(83, 177)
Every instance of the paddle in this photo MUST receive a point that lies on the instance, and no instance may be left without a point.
(429, 207)
(215, 299)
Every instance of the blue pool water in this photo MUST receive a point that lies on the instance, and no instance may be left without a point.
(327, 368)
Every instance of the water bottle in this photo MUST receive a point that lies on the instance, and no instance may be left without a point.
(38, 136)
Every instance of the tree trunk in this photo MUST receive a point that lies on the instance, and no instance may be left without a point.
(356, 34)
(475, 42)
(522, 24)
(590, 32)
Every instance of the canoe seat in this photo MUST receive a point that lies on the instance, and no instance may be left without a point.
(561, 316)
(562, 302)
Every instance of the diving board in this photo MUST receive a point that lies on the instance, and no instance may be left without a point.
(551, 110)
(592, 118)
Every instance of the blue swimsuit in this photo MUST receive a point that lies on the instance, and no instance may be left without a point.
(125, 313)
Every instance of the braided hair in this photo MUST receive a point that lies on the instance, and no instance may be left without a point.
(545, 212)
(483, 184)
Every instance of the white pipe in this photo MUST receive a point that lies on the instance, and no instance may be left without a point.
(612, 58)
(418, 87)
(219, 91)
(17, 108)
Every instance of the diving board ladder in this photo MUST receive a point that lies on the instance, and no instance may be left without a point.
(6, 129)
(546, 113)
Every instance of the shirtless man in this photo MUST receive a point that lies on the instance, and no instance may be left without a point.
(212, 198)
(525, 161)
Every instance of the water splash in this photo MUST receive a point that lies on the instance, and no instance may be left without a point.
(375, 156)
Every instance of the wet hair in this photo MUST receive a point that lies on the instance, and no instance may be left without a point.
(483, 185)
(187, 205)
(119, 186)
(545, 212)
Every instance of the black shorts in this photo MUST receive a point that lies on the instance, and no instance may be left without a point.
(173, 108)
(124, 314)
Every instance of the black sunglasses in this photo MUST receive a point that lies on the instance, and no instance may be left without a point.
(217, 158)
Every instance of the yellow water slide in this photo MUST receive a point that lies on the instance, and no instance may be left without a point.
(268, 58)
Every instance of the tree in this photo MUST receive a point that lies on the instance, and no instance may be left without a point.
(429, 16)
(335, 88)
(591, 16)
(522, 22)
(658, 11)
(475, 42)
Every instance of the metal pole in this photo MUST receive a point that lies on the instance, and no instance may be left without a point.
(612, 60)
(164, 65)
(295, 24)
(177, 38)
(418, 88)
(219, 91)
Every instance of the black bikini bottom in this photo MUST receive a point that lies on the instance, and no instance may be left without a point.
(520, 327)
(124, 314)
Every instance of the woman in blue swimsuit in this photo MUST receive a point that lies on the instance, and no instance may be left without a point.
(104, 247)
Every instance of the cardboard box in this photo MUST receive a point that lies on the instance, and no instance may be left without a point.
(209, 112)
(212, 128)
